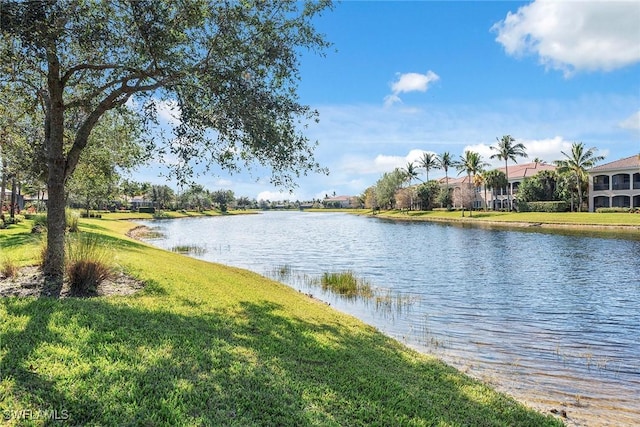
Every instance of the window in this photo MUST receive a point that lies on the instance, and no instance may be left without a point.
(600, 182)
(636, 181)
(636, 201)
(622, 181)
(600, 202)
(621, 202)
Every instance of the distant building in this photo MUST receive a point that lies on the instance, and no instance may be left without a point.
(615, 184)
(499, 200)
(337, 202)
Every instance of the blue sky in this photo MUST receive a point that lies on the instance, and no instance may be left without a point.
(407, 77)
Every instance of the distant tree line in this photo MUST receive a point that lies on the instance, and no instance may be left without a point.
(568, 183)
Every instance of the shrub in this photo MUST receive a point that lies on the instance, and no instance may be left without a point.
(554, 206)
(147, 210)
(17, 219)
(39, 223)
(8, 268)
(90, 215)
(87, 264)
(613, 210)
(161, 215)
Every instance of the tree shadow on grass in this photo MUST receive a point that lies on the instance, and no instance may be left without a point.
(15, 240)
(115, 363)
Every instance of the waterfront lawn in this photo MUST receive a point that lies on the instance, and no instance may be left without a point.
(205, 344)
(569, 218)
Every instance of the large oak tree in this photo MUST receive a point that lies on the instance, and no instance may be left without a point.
(230, 68)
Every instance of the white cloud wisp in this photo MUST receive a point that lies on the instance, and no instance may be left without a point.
(409, 82)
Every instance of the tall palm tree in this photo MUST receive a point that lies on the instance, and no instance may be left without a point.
(429, 161)
(506, 150)
(577, 164)
(445, 161)
(410, 173)
(472, 164)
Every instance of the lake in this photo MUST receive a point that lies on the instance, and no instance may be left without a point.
(553, 319)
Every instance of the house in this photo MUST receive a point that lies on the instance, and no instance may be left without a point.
(615, 184)
(337, 202)
(499, 200)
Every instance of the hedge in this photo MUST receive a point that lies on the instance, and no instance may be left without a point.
(553, 206)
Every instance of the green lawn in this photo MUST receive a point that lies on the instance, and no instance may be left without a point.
(568, 218)
(208, 345)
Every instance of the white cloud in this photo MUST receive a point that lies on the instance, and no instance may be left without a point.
(632, 122)
(409, 82)
(574, 36)
(378, 164)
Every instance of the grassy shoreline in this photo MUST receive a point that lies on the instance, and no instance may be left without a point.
(206, 344)
(578, 221)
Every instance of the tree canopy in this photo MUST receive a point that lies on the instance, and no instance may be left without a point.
(230, 69)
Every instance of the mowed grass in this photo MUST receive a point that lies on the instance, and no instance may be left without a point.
(567, 218)
(207, 345)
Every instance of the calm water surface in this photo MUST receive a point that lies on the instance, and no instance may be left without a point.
(552, 319)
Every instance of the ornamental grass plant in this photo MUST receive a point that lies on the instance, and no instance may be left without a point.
(87, 263)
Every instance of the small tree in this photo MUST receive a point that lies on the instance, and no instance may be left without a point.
(427, 194)
(223, 198)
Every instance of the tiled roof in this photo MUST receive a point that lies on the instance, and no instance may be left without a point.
(526, 170)
(626, 163)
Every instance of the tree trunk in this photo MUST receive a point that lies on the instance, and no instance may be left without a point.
(3, 185)
(56, 175)
(56, 224)
(506, 174)
(579, 184)
(14, 199)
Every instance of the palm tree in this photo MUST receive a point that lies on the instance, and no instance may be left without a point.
(507, 150)
(410, 173)
(445, 162)
(577, 164)
(472, 164)
(429, 161)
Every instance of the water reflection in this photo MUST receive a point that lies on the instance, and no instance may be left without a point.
(551, 318)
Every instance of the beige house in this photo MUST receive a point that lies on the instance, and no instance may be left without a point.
(499, 200)
(338, 201)
(615, 184)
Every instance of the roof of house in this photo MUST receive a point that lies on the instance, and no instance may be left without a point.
(527, 170)
(516, 172)
(453, 181)
(338, 199)
(626, 163)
